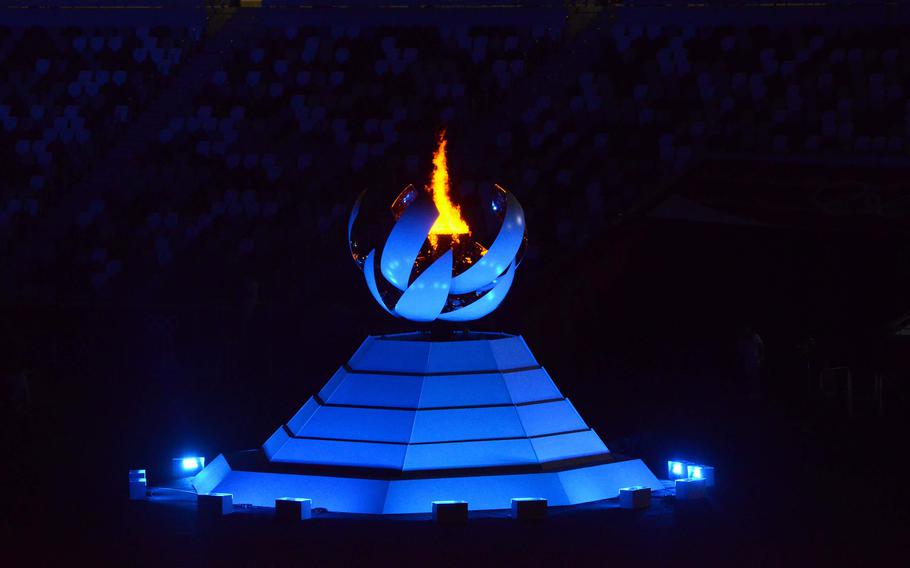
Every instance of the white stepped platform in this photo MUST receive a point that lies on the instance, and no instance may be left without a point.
(412, 419)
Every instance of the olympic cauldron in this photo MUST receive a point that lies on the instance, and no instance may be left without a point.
(414, 418)
(423, 261)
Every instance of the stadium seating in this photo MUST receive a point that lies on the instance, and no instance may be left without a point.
(286, 124)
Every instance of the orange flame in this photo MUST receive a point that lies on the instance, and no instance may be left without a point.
(449, 221)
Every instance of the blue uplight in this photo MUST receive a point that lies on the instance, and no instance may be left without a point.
(188, 465)
(701, 471)
(677, 469)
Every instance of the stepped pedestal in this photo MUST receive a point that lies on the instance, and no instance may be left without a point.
(412, 419)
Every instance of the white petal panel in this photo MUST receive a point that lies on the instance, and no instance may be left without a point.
(426, 296)
(499, 255)
(405, 241)
(486, 303)
(369, 272)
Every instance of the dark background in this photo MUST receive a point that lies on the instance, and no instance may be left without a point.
(175, 276)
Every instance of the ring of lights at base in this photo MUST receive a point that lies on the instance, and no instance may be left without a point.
(423, 273)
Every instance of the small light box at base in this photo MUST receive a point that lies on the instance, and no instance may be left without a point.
(700, 471)
(690, 489)
(293, 508)
(635, 497)
(187, 466)
(678, 469)
(529, 508)
(138, 484)
(450, 511)
(214, 504)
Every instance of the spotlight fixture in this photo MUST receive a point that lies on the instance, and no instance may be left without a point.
(701, 471)
(188, 466)
(678, 469)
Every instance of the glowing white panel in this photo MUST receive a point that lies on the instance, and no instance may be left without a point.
(566, 446)
(550, 417)
(300, 419)
(369, 272)
(460, 356)
(463, 390)
(530, 386)
(512, 353)
(334, 382)
(360, 424)
(470, 454)
(486, 303)
(426, 296)
(405, 240)
(393, 355)
(330, 452)
(275, 441)
(401, 391)
(500, 254)
(466, 424)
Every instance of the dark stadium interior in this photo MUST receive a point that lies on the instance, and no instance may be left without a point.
(175, 277)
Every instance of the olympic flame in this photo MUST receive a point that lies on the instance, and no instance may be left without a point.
(450, 221)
